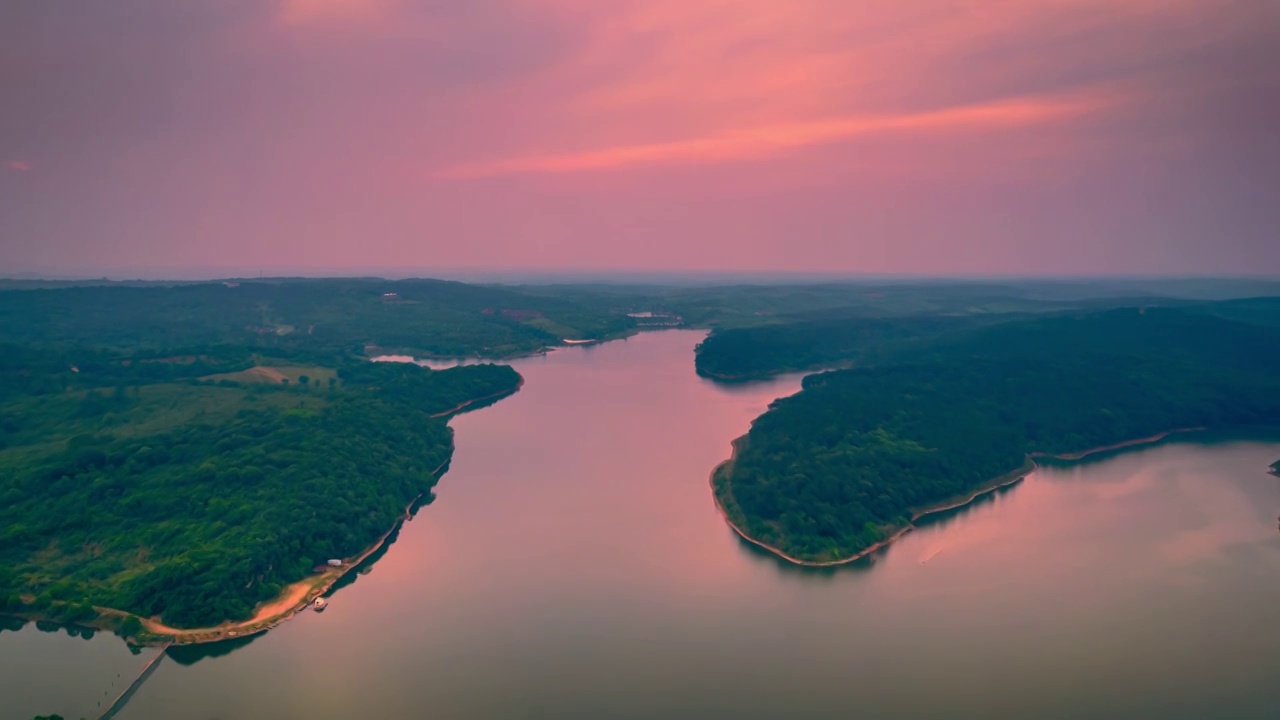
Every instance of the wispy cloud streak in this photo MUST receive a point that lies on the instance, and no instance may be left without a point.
(934, 136)
(766, 141)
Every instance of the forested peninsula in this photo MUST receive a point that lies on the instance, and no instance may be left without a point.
(849, 461)
(194, 501)
(179, 455)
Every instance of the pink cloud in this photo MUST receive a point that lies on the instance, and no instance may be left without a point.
(771, 140)
(18, 165)
(654, 83)
(932, 135)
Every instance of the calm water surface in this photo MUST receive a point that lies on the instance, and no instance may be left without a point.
(574, 566)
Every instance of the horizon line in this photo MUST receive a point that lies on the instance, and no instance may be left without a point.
(195, 275)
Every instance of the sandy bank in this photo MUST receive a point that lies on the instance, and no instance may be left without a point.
(295, 598)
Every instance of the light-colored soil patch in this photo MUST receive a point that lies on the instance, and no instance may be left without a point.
(293, 374)
(266, 373)
(290, 600)
(175, 359)
(294, 599)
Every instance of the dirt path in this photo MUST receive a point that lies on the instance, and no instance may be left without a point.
(293, 598)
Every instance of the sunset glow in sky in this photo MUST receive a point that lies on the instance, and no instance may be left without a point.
(922, 136)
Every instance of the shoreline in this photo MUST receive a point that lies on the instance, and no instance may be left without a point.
(1001, 481)
(1118, 446)
(760, 377)
(299, 595)
(464, 405)
(259, 623)
(1013, 477)
(372, 351)
(293, 598)
(414, 356)
(302, 592)
(726, 465)
(311, 590)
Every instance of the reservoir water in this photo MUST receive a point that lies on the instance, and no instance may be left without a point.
(574, 566)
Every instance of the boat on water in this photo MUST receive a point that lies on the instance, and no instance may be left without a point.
(321, 604)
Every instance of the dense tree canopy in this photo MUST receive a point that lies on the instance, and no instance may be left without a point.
(863, 333)
(835, 468)
(197, 501)
(756, 352)
(431, 392)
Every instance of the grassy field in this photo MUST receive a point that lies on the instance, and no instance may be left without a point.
(266, 372)
(553, 327)
(131, 412)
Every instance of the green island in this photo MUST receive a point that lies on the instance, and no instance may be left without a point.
(850, 461)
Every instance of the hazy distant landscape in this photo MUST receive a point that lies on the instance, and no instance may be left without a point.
(240, 418)
(640, 359)
(198, 462)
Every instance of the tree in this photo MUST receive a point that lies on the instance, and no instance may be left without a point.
(131, 626)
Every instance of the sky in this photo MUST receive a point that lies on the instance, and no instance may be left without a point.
(932, 137)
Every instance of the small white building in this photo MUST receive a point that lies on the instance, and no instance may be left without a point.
(335, 563)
